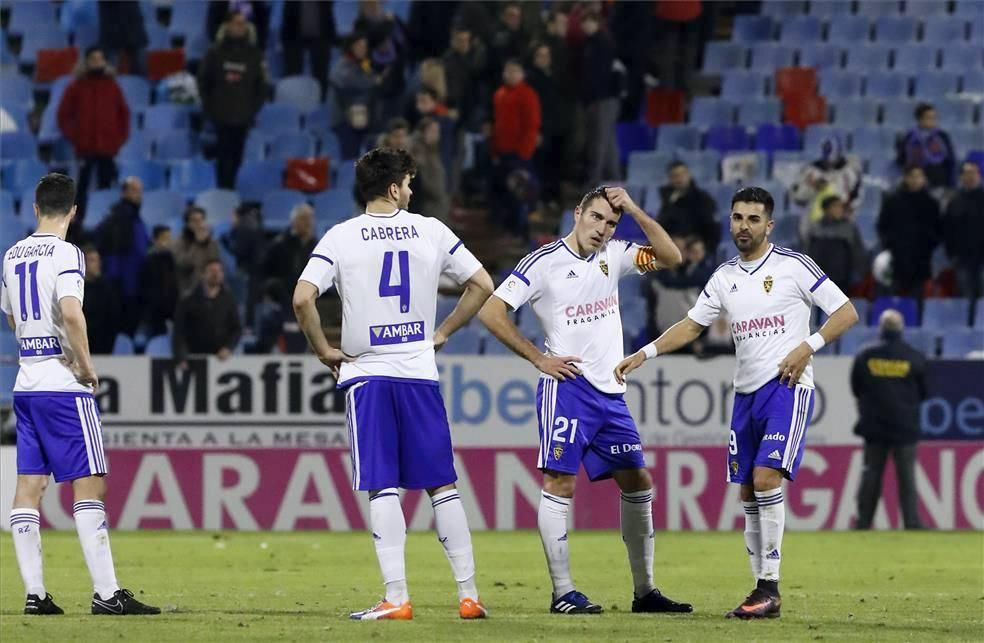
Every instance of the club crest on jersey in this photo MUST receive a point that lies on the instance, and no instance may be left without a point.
(734, 467)
(558, 452)
(767, 284)
(604, 266)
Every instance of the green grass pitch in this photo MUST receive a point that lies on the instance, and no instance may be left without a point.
(916, 586)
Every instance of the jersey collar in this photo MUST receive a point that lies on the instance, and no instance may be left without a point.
(383, 216)
(577, 256)
(752, 271)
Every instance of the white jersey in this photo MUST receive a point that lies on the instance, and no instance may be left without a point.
(386, 269)
(769, 302)
(37, 273)
(576, 301)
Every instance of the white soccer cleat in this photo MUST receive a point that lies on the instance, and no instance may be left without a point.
(384, 610)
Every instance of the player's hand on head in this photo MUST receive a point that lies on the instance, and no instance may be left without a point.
(792, 367)
(629, 364)
(620, 199)
(561, 367)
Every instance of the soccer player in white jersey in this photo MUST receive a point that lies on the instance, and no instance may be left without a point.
(58, 428)
(386, 264)
(768, 292)
(572, 286)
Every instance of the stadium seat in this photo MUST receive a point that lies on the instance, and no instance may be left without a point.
(820, 56)
(745, 167)
(644, 168)
(848, 30)
(856, 338)
(915, 59)
(886, 86)
(958, 344)
(345, 17)
(160, 207)
(163, 62)
(795, 81)
(800, 30)
(922, 340)
(53, 63)
(959, 58)
(123, 345)
(22, 175)
(188, 19)
(191, 176)
(977, 27)
(136, 90)
(137, 147)
(935, 85)
(786, 164)
(97, 205)
(277, 205)
(257, 144)
(770, 137)
(466, 341)
(292, 145)
(303, 93)
(345, 176)
(329, 146)
(973, 82)
(632, 136)
(17, 90)
(750, 28)
(830, 8)
(152, 173)
(836, 84)
(85, 36)
(979, 314)
(704, 165)
(277, 118)
(783, 8)
(18, 145)
(954, 112)
(743, 85)
(160, 345)
(255, 178)
(878, 8)
(907, 306)
(924, 9)
(943, 314)
(664, 105)
(165, 117)
(867, 225)
(726, 138)
(851, 114)
(38, 38)
(721, 57)
(895, 30)
(868, 58)
(196, 47)
(218, 204)
(804, 109)
(173, 146)
(492, 346)
(943, 30)
(755, 112)
(706, 111)
(966, 140)
(26, 15)
(333, 206)
(768, 55)
(899, 114)
(677, 136)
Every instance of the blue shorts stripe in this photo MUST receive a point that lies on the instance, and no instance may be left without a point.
(798, 426)
(96, 430)
(83, 410)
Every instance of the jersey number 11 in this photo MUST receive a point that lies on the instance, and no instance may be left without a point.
(21, 271)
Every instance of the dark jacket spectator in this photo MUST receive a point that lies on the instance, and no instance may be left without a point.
(288, 254)
(834, 242)
(159, 283)
(511, 39)
(516, 113)
(308, 27)
(600, 85)
(928, 147)
(430, 188)
(552, 157)
(206, 321)
(122, 242)
(687, 212)
(121, 29)
(465, 64)
(232, 84)
(560, 53)
(353, 131)
(352, 75)
(102, 306)
(428, 27)
(963, 230)
(194, 249)
(909, 227)
(255, 12)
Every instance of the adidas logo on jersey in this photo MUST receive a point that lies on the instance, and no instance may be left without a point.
(775, 455)
(734, 287)
(572, 275)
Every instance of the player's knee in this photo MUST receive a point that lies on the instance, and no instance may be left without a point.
(629, 480)
(30, 490)
(89, 488)
(766, 479)
(559, 484)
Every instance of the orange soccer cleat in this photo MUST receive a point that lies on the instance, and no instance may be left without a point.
(385, 610)
(471, 609)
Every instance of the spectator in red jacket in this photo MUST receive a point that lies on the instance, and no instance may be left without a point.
(93, 115)
(516, 110)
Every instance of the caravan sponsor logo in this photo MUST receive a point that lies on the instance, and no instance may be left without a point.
(758, 327)
(401, 333)
(592, 311)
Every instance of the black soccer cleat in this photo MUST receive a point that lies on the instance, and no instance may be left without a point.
(122, 604)
(574, 602)
(759, 604)
(654, 602)
(41, 606)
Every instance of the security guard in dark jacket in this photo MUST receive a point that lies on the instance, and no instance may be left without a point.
(889, 381)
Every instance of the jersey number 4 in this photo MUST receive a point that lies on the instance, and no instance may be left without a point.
(21, 270)
(400, 289)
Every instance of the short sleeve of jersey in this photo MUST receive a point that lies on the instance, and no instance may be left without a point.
(457, 261)
(634, 259)
(5, 299)
(70, 275)
(708, 305)
(817, 288)
(321, 269)
(521, 285)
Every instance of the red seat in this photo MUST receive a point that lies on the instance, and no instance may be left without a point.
(804, 109)
(795, 80)
(53, 63)
(665, 106)
(164, 62)
(308, 175)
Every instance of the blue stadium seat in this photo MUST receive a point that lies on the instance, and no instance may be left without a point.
(677, 136)
(329, 146)
(886, 86)
(979, 313)
(257, 144)
(925, 8)
(783, 8)
(958, 344)
(255, 178)
(946, 313)
(848, 30)
(188, 19)
(721, 57)
(977, 27)
(943, 30)
(770, 137)
(914, 59)
(764, 110)
(867, 58)
(196, 46)
(277, 118)
(768, 55)
(652, 201)
(706, 111)
(646, 167)
(160, 207)
(815, 135)
(954, 112)
(157, 36)
(40, 36)
(973, 82)
(704, 165)
(830, 8)
(18, 90)
(85, 36)
(923, 341)
(632, 136)
(867, 225)
(165, 117)
(753, 173)
(820, 56)
(800, 30)
(152, 173)
(899, 114)
(18, 145)
(97, 205)
(836, 84)
(933, 86)
(345, 176)
(191, 176)
(345, 16)
(303, 93)
(907, 306)
(494, 347)
(137, 147)
(218, 204)
(277, 205)
(856, 338)
(27, 15)
(896, 30)
(136, 91)
(879, 8)
(850, 114)
(960, 57)
(750, 28)
(966, 140)
(722, 193)
(288, 145)
(160, 345)
(333, 206)
(22, 175)
(726, 138)
(123, 345)
(173, 146)
(399, 8)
